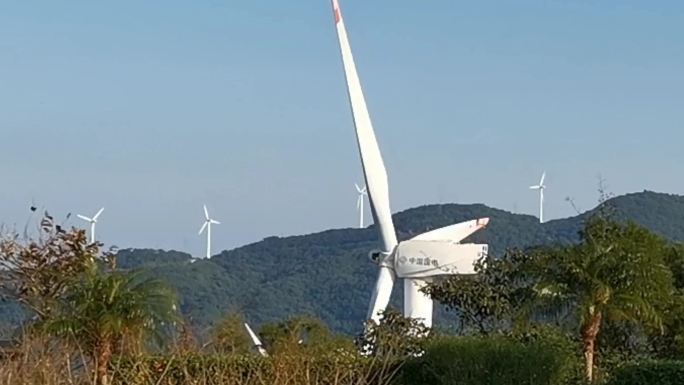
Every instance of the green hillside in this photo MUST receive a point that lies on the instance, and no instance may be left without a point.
(328, 274)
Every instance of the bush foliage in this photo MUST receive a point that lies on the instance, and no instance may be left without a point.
(650, 372)
(494, 360)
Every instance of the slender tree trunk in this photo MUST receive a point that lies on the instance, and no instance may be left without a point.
(103, 354)
(590, 330)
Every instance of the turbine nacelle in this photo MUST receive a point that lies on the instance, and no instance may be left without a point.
(423, 259)
(437, 252)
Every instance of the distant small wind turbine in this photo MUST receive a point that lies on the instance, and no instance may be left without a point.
(359, 202)
(92, 222)
(207, 225)
(541, 187)
(256, 341)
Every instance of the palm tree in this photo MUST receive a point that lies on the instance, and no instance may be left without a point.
(616, 273)
(104, 308)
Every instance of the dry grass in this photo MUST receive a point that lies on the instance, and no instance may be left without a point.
(41, 362)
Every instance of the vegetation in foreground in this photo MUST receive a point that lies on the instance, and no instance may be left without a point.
(607, 310)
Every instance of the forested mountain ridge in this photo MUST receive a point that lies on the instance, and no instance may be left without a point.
(328, 274)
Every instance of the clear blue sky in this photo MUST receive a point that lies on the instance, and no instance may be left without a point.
(152, 108)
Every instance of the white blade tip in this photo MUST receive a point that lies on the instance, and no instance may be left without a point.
(98, 214)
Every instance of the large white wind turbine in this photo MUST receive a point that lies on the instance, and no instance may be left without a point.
(92, 222)
(541, 187)
(359, 202)
(256, 341)
(207, 225)
(416, 260)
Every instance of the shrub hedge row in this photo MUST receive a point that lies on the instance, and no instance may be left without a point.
(650, 373)
(490, 361)
(446, 361)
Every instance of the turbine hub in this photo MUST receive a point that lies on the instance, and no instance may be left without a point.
(375, 256)
(380, 258)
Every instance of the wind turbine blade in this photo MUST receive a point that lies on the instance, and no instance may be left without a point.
(381, 293)
(371, 159)
(84, 218)
(358, 189)
(256, 341)
(541, 182)
(206, 212)
(453, 233)
(203, 227)
(215, 222)
(98, 214)
(358, 202)
(535, 187)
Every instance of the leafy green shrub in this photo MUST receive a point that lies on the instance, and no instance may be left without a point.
(495, 360)
(565, 346)
(650, 372)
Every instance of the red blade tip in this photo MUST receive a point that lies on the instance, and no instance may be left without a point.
(336, 10)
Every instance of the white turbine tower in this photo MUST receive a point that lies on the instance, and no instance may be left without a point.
(359, 202)
(256, 341)
(92, 222)
(541, 187)
(207, 225)
(416, 260)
